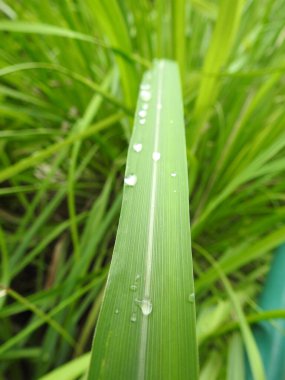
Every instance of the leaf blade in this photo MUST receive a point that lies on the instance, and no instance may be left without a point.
(147, 315)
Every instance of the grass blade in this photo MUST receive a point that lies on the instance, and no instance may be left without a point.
(178, 30)
(235, 366)
(71, 370)
(220, 48)
(30, 161)
(148, 312)
(212, 368)
(251, 347)
(44, 29)
(113, 24)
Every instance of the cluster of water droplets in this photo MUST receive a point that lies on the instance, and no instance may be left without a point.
(134, 288)
(145, 95)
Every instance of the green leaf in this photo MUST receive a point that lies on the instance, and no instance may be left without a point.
(224, 35)
(71, 370)
(45, 29)
(113, 25)
(178, 30)
(146, 326)
(235, 370)
(211, 369)
(251, 347)
(206, 8)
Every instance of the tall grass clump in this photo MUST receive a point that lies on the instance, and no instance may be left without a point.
(70, 74)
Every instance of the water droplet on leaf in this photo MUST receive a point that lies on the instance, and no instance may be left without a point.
(137, 147)
(145, 86)
(191, 298)
(142, 113)
(145, 306)
(156, 156)
(131, 180)
(145, 95)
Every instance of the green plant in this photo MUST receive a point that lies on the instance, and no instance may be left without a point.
(70, 73)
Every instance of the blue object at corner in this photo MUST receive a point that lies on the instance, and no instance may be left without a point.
(270, 336)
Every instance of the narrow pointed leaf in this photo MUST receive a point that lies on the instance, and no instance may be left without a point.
(146, 327)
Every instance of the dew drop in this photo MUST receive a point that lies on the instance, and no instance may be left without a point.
(145, 106)
(138, 276)
(131, 180)
(156, 156)
(142, 113)
(133, 288)
(142, 121)
(171, 121)
(159, 106)
(117, 311)
(145, 95)
(145, 86)
(191, 298)
(145, 306)
(133, 317)
(174, 191)
(173, 174)
(137, 147)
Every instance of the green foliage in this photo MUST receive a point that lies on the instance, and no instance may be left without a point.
(69, 80)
